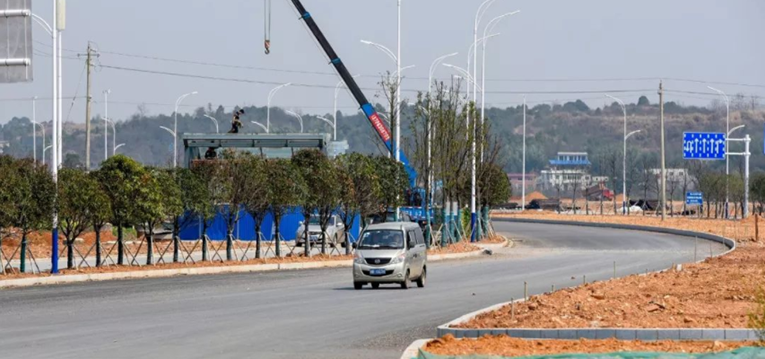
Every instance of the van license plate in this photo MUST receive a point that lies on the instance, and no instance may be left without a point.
(377, 272)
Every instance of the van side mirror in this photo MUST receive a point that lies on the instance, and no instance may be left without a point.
(355, 245)
(411, 243)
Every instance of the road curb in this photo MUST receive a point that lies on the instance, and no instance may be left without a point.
(163, 273)
(731, 244)
(413, 350)
(602, 333)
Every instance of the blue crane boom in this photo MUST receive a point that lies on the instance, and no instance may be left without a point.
(369, 111)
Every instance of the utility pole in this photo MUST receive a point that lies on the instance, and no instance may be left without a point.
(88, 109)
(663, 159)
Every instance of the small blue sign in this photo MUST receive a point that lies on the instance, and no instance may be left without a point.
(704, 146)
(694, 198)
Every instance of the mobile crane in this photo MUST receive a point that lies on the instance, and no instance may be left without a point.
(369, 111)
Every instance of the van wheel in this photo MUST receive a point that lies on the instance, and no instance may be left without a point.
(357, 285)
(421, 280)
(405, 283)
(375, 285)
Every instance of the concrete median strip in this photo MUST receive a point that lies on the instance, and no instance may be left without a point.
(161, 273)
(602, 333)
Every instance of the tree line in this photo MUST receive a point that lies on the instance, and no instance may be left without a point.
(125, 193)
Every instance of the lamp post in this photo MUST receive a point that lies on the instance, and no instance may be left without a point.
(464, 73)
(175, 126)
(340, 84)
(523, 180)
(169, 131)
(261, 125)
(624, 154)
(330, 125)
(43, 154)
(397, 59)
(35, 123)
(298, 117)
(485, 40)
(106, 126)
(114, 132)
(746, 173)
(429, 175)
(116, 148)
(34, 129)
(214, 121)
(727, 159)
(268, 106)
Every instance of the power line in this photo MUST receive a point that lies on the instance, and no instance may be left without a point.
(260, 82)
(325, 73)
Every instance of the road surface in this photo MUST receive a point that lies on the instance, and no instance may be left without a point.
(312, 314)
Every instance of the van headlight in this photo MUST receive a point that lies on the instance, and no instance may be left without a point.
(398, 259)
(357, 258)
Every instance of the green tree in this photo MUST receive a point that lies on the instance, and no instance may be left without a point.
(33, 194)
(206, 172)
(75, 188)
(322, 191)
(72, 160)
(643, 101)
(286, 191)
(121, 178)
(393, 182)
(757, 191)
(495, 187)
(256, 197)
(193, 202)
(232, 176)
(100, 211)
(359, 189)
(157, 200)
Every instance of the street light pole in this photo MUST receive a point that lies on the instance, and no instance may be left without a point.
(327, 121)
(217, 130)
(727, 159)
(114, 151)
(398, 92)
(106, 125)
(42, 128)
(34, 129)
(489, 27)
(624, 154)
(268, 105)
(340, 84)
(175, 127)
(261, 125)
(54, 145)
(523, 180)
(478, 17)
(298, 117)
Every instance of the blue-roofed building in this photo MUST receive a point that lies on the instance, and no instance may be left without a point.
(565, 159)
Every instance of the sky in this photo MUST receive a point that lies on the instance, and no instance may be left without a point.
(560, 50)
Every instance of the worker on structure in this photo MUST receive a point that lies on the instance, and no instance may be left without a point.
(236, 124)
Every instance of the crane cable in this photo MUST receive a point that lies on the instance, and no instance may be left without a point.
(267, 26)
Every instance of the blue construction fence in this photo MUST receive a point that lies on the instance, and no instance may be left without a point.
(245, 228)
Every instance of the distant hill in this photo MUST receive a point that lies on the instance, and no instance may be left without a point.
(571, 126)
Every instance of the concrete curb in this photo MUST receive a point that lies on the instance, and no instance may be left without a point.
(603, 333)
(413, 350)
(731, 244)
(162, 273)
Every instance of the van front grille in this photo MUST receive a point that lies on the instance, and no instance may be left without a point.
(378, 261)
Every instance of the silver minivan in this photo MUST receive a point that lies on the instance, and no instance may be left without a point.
(390, 253)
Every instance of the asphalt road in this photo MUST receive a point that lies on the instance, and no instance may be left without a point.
(312, 314)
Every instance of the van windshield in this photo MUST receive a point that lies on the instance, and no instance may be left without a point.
(382, 239)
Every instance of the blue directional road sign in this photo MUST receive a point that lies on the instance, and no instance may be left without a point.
(703, 146)
(694, 198)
